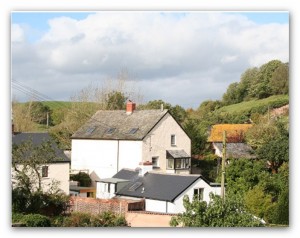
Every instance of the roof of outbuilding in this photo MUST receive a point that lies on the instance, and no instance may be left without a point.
(156, 186)
(127, 174)
(37, 139)
(234, 132)
(237, 150)
(118, 125)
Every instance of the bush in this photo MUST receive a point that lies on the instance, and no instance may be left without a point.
(39, 203)
(77, 219)
(83, 179)
(105, 219)
(16, 217)
(36, 220)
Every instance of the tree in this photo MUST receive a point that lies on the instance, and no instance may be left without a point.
(248, 78)
(275, 152)
(280, 80)
(216, 213)
(83, 179)
(111, 95)
(261, 88)
(261, 133)
(198, 139)
(115, 100)
(207, 107)
(155, 104)
(243, 174)
(258, 202)
(233, 94)
(22, 118)
(177, 111)
(28, 193)
(38, 111)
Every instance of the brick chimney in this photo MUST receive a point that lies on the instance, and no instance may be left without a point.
(130, 107)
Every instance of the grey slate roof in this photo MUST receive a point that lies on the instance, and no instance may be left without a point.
(237, 150)
(163, 187)
(127, 174)
(97, 127)
(37, 139)
(178, 154)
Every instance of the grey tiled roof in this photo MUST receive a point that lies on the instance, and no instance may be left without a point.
(37, 139)
(127, 174)
(163, 187)
(178, 154)
(237, 150)
(140, 122)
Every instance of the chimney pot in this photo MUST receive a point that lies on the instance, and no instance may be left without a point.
(130, 107)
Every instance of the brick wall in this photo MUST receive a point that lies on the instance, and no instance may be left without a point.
(96, 206)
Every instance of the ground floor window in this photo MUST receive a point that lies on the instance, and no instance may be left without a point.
(155, 162)
(198, 193)
(45, 171)
(170, 164)
(182, 163)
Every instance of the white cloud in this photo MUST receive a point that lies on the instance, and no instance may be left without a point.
(17, 33)
(181, 58)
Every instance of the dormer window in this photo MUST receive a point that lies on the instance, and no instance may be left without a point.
(90, 130)
(110, 130)
(133, 131)
(173, 140)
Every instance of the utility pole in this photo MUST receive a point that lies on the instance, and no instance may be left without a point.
(223, 167)
(47, 119)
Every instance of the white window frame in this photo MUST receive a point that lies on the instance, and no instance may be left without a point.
(173, 140)
(170, 161)
(200, 194)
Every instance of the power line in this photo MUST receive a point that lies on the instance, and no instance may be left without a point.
(21, 87)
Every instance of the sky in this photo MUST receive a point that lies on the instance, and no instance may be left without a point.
(180, 57)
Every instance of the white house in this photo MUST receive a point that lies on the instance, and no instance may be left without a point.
(162, 192)
(56, 171)
(113, 140)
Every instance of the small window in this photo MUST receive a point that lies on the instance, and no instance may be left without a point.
(133, 130)
(155, 163)
(45, 171)
(173, 140)
(198, 193)
(135, 186)
(90, 130)
(170, 163)
(110, 130)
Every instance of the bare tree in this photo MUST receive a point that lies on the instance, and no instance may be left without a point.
(110, 95)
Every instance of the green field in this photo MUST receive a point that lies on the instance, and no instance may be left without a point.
(257, 105)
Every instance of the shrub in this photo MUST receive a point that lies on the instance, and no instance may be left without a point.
(83, 179)
(105, 219)
(36, 220)
(17, 217)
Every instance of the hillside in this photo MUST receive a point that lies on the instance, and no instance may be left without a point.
(258, 105)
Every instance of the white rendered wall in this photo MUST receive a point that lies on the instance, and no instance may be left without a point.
(130, 154)
(190, 192)
(155, 206)
(105, 157)
(102, 191)
(61, 173)
(57, 172)
(97, 156)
